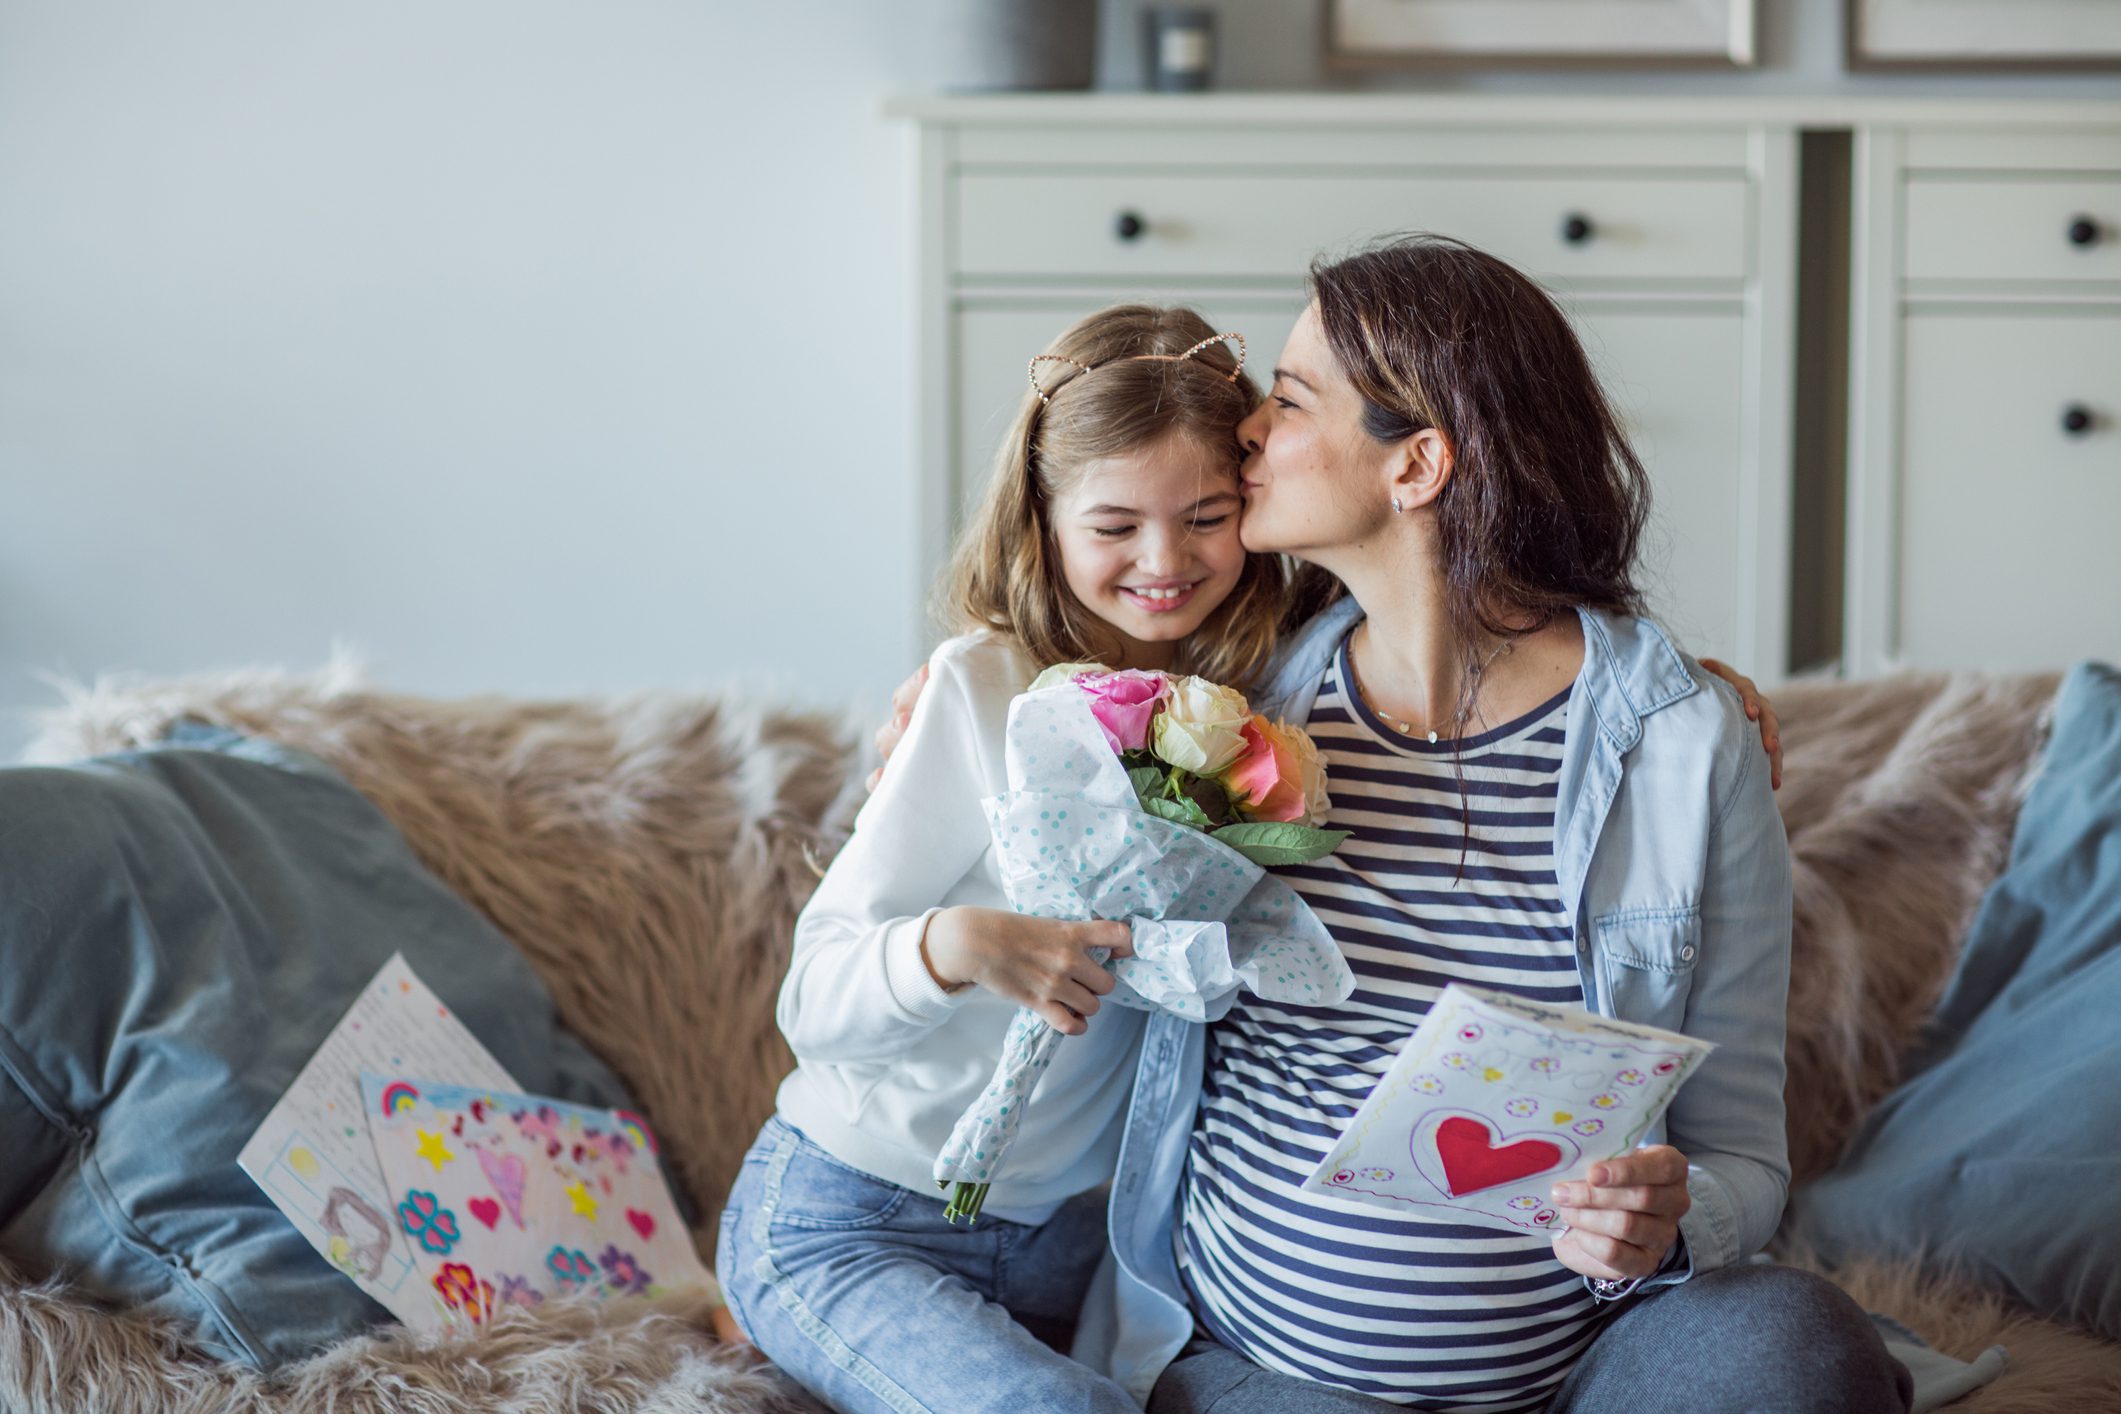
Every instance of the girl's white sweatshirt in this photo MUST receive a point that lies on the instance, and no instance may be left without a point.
(886, 1059)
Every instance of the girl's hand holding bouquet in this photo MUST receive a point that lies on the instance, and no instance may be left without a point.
(1149, 797)
(1045, 964)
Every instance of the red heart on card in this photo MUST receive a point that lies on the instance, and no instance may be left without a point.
(642, 1223)
(486, 1211)
(1473, 1161)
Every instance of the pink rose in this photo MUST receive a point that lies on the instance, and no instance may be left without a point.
(1124, 703)
(1267, 781)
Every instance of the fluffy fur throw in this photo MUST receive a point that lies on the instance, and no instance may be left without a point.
(649, 857)
(1899, 797)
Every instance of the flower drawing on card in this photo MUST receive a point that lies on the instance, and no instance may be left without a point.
(571, 1267)
(427, 1222)
(517, 1291)
(622, 1271)
(463, 1292)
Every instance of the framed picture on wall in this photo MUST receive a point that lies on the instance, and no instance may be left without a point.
(1984, 34)
(1543, 32)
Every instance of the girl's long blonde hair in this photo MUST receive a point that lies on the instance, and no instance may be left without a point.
(1006, 572)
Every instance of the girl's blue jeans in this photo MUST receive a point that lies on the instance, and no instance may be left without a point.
(860, 1291)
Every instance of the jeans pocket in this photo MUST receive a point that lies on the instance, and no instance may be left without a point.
(818, 1191)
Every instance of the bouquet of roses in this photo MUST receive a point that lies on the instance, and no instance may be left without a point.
(1197, 754)
(1159, 799)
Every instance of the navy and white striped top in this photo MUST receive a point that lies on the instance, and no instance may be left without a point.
(1437, 1315)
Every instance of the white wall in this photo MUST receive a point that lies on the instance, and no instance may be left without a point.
(530, 346)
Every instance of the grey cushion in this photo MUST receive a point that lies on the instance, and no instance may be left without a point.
(1998, 1154)
(181, 927)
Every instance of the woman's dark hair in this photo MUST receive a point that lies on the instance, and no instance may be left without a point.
(1546, 502)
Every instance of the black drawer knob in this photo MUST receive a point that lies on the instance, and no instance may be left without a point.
(2083, 230)
(1576, 228)
(1129, 226)
(2076, 419)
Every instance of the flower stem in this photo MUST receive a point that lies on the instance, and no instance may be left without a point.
(966, 1199)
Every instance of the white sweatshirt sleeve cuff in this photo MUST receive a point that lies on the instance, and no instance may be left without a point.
(913, 986)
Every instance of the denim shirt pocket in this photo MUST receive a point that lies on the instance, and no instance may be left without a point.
(1646, 962)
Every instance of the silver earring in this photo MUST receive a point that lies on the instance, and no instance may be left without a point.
(1396, 507)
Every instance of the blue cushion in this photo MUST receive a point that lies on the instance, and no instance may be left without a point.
(182, 926)
(1998, 1156)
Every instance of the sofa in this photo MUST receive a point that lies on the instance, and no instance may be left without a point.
(648, 856)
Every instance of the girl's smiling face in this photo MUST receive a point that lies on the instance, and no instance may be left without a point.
(1148, 542)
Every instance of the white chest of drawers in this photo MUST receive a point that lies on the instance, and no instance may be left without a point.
(1985, 424)
(1670, 239)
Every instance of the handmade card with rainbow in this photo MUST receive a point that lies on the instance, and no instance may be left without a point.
(508, 1199)
(1495, 1099)
(312, 1155)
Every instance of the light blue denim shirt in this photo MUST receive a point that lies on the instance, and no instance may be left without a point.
(1672, 862)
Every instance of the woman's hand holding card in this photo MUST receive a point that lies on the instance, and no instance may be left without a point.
(1623, 1216)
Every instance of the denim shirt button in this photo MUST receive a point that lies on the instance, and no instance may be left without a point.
(1686, 954)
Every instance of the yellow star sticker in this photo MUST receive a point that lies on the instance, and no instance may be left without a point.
(432, 1150)
(578, 1192)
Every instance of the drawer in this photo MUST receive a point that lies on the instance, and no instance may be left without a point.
(2014, 228)
(1189, 225)
(2007, 520)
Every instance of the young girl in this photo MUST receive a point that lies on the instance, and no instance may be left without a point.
(1108, 533)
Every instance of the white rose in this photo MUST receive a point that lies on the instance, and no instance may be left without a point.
(1202, 726)
(1313, 771)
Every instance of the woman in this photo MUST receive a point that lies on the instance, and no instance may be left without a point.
(1546, 797)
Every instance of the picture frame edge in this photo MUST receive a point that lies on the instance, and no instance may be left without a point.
(1338, 57)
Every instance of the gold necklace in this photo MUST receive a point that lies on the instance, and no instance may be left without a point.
(1407, 728)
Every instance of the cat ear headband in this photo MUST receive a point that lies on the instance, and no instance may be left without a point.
(1045, 394)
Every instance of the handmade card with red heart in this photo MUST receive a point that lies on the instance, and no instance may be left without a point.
(1494, 1099)
(510, 1199)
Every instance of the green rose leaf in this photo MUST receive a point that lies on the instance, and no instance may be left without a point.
(1147, 781)
(1182, 811)
(1270, 843)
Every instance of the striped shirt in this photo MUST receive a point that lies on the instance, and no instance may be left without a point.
(1434, 887)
